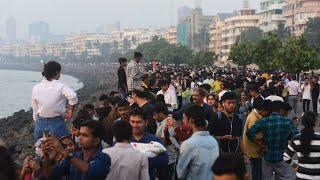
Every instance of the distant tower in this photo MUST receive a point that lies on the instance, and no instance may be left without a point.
(11, 30)
(245, 4)
(198, 4)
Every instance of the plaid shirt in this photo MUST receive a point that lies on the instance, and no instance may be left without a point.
(276, 130)
(134, 73)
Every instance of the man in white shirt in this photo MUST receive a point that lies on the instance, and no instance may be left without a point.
(306, 94)
(293, 88)
(170, 95)
(49, 100)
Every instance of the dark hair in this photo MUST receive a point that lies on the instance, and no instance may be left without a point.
(276, 106)
(163, 82)
(82, 116)
(228, 96)
(145, 77)
(201, 92)
(122, 103)
(160, 108)
(122, 60)
(51, 69)
(95, 127)
(196, 113)
(286, 106)
(265, 105)
(103, 112)
(160, 98)
(7, 165)
(140, 92)
(137, 55)
(138, 112)
(88, 106)
(122, 131)
(104, 97)
(206, 87)
(253, 86)
(308, 121)
(229, 163)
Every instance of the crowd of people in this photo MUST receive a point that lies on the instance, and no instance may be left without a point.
(175, 122)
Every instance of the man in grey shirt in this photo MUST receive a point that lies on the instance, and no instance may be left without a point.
(126, 162)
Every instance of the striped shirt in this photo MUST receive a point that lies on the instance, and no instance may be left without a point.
(309, 166)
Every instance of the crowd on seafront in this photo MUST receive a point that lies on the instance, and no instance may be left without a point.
(175, 122)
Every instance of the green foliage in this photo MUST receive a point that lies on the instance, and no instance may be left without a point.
(159, 49)
(242, 53)
(312, 33)
(253, 34)
(275, 51)
(296, 56)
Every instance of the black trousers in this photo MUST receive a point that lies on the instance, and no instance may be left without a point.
(305, 105)
(315, 105)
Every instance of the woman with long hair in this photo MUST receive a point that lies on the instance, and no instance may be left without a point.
(307, 146)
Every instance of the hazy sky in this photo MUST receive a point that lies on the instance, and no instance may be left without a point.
(66, 16)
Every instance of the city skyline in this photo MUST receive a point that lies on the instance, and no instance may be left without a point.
(88, 15)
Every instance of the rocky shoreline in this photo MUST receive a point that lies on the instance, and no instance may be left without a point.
(16, 131)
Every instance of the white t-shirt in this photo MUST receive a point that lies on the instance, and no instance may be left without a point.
(306, 91)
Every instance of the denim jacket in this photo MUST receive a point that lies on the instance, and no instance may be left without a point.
(197, 155)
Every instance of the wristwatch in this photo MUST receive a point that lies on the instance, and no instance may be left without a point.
(70, 156)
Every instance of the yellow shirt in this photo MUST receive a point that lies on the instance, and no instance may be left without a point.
(217, 86)
(252, 149)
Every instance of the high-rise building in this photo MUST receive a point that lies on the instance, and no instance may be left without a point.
(183, 12)
(226, 29)
(298, 12)
(215, 31)
(270, 14)
(171, 35)
(11, 30)
(182, 33)
(199, 24)
(39, 30)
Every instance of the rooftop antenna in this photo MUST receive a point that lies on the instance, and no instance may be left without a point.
(198, 4)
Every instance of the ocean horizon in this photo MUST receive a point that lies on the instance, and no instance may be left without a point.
(16, 88)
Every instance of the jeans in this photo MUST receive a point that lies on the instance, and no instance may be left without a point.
(282, 170)
(55, 125)
(256, 168)
(293, 101)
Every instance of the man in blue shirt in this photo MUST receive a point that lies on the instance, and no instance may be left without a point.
(199, 152)
(138, 123)
(89, 163)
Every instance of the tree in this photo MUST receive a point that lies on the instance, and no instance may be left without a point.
(105, 50)
(312, 33)
(282, 31)
(242, 53)
(202, 59)
(126, 45)
(296, 56)
(265, 52)
(253, 34)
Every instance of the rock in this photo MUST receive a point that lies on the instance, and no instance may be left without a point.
(16, 131)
